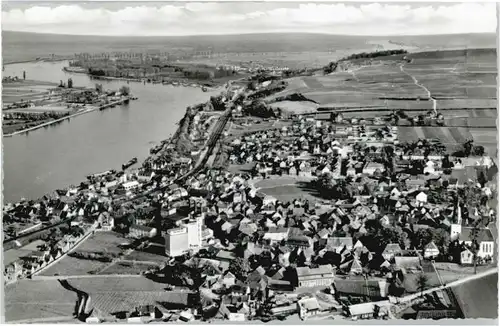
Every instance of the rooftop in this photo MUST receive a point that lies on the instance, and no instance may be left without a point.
(483, 234)
(320, 271)
(310, 304)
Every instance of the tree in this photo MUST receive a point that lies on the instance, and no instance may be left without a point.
(70, 83)
(239, 267)
(124, 90)
(422, 283)
(478, 150)
(98, 88)
(468, 145)
(422, 238)
(474, 245)
(24, 75)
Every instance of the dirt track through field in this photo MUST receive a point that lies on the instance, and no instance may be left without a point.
(434, 102)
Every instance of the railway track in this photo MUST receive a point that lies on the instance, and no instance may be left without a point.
(221, 123)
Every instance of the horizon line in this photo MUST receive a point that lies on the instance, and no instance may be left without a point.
(250, 33)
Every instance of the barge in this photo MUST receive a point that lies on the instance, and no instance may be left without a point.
(129, 163)
(156, 149)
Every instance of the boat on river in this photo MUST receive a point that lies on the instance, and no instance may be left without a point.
(156, 149)
(129, 163)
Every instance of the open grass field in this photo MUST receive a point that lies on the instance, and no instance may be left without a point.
(242, 126)
(287, 188)
(143, 256)
(103, 242)
(28, 299)
(126, 268)
(296, 106)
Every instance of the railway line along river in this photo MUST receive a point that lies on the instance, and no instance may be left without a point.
(43, 160)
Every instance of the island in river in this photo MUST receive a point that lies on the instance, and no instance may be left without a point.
(152, 69)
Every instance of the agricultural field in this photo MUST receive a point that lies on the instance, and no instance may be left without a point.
(118, 283)
(113, 301)
(456, 79)
(71, 266)
(452, 137)
(26, 90)
(33, 299)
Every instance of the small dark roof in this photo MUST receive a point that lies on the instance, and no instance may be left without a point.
(358, 287)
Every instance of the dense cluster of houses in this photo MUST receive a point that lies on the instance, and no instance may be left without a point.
(377, 231)
(98, 202)
(299, 245)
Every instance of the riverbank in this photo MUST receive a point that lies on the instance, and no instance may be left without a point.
(84, 111)
(33, 61)
(182, 83)
(208, 86)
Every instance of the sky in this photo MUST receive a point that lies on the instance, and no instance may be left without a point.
(191, 18)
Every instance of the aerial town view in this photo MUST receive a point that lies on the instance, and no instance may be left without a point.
(249, 162)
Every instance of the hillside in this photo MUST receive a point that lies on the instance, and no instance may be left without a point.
(20, 46)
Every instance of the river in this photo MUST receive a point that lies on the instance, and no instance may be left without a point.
(53, 157)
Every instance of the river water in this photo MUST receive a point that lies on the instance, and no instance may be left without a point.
(53, 157)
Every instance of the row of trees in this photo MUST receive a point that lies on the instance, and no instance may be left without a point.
(333, 65)
(294, 97)
(259, 109)
(376, 54)
(35, 116)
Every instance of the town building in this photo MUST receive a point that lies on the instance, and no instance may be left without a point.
(312, 277)
(431, 250)
(484, 239)
(308, 307)
(176, 241)
(141, 231)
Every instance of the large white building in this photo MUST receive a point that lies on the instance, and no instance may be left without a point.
(186, 237)
(176, 241)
